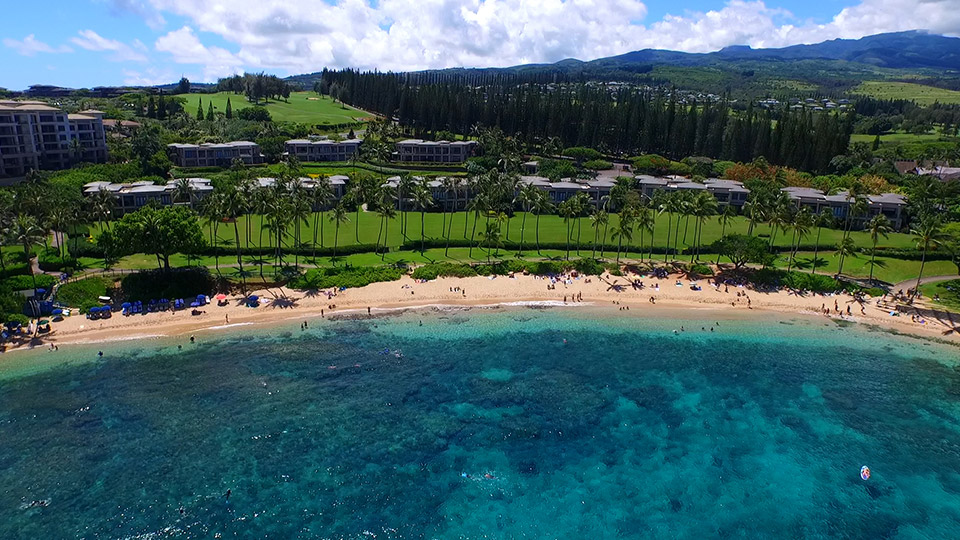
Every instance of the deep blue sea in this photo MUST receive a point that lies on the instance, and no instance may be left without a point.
(498, 424)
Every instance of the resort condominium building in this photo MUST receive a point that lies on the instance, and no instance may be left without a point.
(418, 151)
(214, 155)
(35, 135)
(322, 150)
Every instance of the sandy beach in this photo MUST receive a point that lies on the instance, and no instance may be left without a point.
(657, 296)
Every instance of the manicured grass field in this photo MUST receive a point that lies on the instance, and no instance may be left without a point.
(305, 107)
(892, 270)
(922, 94)
(895, 138)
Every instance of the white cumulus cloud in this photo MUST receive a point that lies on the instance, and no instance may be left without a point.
(92, 41)
(296, 37)
(30, 46)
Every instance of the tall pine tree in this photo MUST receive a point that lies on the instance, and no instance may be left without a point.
(229, 110)
(200, 110)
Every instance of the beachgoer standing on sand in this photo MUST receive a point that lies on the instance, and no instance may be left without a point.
(227, 318)
(368, 310)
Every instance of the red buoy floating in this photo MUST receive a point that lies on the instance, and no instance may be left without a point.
(865, 473)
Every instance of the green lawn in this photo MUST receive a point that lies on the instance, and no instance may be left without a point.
(948, 298)
(305, 107)
(888, 269)
(895, 138)
(552, 229)
(922, 94)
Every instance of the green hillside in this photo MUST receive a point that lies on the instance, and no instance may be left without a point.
(305, 107)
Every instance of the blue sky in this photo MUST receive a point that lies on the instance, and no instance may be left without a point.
(110, 42)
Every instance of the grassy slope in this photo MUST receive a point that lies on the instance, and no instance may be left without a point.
(922, 94)
(316, 110)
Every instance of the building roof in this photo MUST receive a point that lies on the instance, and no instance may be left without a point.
(646, 179)
(80, 117)
(567, 185)
(689, 185)
(888, 198)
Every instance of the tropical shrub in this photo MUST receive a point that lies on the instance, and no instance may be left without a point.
(322, 278)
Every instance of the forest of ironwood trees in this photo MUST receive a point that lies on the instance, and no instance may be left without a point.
(620, 121)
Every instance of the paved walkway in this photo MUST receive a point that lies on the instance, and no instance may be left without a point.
(911, 283)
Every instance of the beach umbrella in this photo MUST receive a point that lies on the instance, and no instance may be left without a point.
(221, 296)
(125, 305)
(253, 298)
(44, 322)
(41, 291)
(57, 311)
(194, 304)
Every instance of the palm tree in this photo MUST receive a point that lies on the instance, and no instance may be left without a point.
(387, 212)
(448, 185)
(404, 185)
(101, 206)
(338, 216)
(667, 204)
(802, 222)
(846, 248)
(423, 198)
(704, 205)
(212, 212)
(646, 219)
(360, 191)
(755, 209)
(300, 210)
(475, 206)
(567, 210)
(183, 190)
(624, 231)
(526, 197)
(541, 204)
(25, 231)
(729, 212)
(490, 236)
(581, 203)
(322, 195)
(878, 226)
(600, 218)
(928, 234)
(656, 203)
(823, 219)
(234, 206)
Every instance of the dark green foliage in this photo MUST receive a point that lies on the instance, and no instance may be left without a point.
(557, 169)
(597, 165)
(743, 249)
(162, 232)
(701, 270)
(50, 261)
(16, 317)
(875, 292)
(157, 284)
(445, 269)
(255, 114)
(582, 154)
(769, 277)
(541, 268)
(627, 120)
(84, 292)
(322, 278)
(21, 283)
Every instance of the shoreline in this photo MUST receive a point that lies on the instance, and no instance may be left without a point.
(485, 292)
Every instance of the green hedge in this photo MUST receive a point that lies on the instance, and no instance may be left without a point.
(20, 283)
(157, 284)
(50, 261)
(542, 268)
(799, 280)
(322, 278)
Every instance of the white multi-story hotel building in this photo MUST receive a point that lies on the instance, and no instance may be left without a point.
(419, 151)
(35, 135)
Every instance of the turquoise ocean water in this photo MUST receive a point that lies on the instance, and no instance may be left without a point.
(517, 423)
